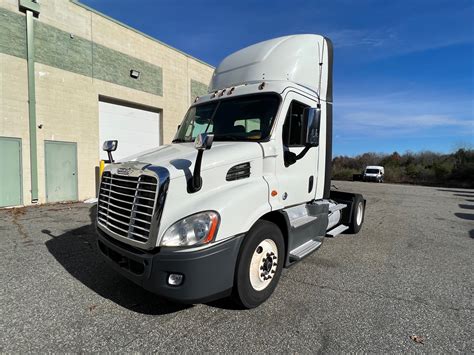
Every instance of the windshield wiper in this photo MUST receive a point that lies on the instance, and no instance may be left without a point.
(179, 140)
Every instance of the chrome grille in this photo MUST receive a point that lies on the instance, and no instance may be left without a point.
(127, 205)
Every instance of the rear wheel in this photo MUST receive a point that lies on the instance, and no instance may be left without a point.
(358, 213)
(259, 265)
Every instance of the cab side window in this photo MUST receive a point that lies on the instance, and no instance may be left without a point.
(293, 126)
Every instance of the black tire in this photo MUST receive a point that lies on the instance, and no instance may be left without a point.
(243, 292)
(358, 207)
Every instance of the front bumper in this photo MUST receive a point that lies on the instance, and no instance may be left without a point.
(208, 273)
(371, 178)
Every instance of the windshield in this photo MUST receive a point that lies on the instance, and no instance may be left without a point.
(372, 171)
(246, 118)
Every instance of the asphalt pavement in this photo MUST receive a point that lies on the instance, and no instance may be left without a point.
(409, 272)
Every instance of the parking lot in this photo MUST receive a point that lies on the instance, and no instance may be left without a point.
(408, 272)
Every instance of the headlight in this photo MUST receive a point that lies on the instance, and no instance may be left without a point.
(199, 228)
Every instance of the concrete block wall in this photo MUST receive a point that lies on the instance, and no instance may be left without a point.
(97, 54)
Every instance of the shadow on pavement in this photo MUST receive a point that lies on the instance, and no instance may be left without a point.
(464, 195)
(225, 303)
(77, 252)
(466, 207)
(468, 216)
(471, 233)
(454, 190)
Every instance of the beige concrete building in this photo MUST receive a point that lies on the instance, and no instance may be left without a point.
(70, 77)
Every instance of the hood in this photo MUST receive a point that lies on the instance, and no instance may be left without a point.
(179, 157)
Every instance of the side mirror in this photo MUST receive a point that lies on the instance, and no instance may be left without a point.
(203, 141)
(109, 147)
(311, 122)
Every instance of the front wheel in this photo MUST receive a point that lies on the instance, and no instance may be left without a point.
(358, 214)
(259, 265)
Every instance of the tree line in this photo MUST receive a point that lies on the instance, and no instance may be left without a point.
(423, 168)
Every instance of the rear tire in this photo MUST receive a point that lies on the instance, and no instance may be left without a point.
(259, 265)
(358, 214)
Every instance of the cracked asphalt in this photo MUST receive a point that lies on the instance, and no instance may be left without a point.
(408, 272)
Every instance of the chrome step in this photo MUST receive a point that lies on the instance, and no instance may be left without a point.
(304, 249)
(338, 230)
(301, 221)
(339, 206)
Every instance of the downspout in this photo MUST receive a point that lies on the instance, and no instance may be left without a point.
(32, 105)
(31, 8)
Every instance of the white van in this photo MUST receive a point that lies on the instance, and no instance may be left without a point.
(373, 173)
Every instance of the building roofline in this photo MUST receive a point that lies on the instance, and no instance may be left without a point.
(78, 3)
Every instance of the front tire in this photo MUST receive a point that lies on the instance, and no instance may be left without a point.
(358, 214)
(259, 265)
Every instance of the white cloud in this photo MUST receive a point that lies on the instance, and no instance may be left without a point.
(345, 38)
(416, 33)
(403, 114)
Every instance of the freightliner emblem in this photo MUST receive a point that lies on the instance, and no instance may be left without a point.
(124, 171)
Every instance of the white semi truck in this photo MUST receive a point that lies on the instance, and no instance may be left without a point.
(243, 191)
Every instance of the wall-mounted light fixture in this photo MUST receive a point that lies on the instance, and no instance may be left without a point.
(135, 74)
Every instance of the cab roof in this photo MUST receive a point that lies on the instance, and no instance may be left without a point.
(302, 59)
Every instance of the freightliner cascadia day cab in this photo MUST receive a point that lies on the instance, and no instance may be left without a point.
(242, 192)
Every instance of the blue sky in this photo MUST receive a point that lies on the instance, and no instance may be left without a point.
(403, 70)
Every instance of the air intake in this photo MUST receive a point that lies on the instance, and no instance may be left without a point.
(237, 172)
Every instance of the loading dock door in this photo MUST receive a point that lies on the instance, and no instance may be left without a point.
(135, 129)
(10, 172)
(61, 171)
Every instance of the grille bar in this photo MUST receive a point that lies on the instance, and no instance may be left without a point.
(127, 205)
(131, 203)
(122, 215)
(128, 195)
(123, 180)
(125, 209)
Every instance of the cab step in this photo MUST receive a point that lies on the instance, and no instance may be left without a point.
(301, 221)
(338, 230)
(303, 250)
(338, 207)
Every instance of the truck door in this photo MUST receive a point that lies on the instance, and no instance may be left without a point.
(297, 181)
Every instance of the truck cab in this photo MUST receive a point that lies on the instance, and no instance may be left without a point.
(374, 173)
(242, 191)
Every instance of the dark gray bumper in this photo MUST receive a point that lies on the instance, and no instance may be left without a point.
(208, 273)
(371, 178)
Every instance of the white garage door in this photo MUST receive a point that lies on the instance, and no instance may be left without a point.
(136, 130)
